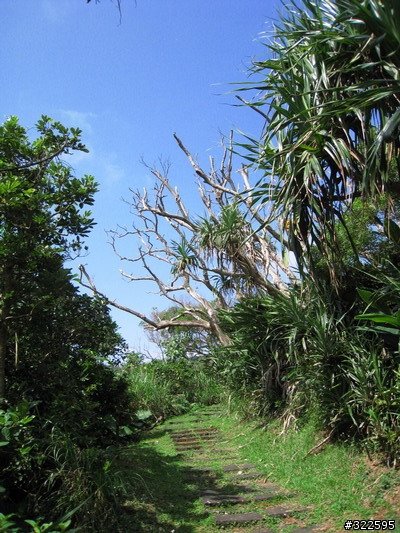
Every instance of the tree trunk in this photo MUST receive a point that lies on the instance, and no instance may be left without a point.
(3, 355)
(5, 309)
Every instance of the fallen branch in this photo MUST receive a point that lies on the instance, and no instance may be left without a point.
(318, 448)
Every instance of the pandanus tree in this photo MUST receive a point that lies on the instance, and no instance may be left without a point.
(330, 95)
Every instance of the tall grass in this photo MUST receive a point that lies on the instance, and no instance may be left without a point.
(150, 393)
(81, 482)
(168, 388)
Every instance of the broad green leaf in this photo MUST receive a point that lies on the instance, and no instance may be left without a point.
(380, 318)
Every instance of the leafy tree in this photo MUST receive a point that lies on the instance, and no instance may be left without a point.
(190, 341)
(63, 347)
(41, 211)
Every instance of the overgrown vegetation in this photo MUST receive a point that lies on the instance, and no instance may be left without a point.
(291, 298)
(330, 157)
(174, 384)
(63, 405)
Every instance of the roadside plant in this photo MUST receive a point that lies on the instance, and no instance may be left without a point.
(373, 400)
(9, 525)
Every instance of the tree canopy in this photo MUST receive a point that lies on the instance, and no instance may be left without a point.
(42, 211)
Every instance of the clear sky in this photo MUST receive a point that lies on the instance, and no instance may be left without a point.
(166, 68)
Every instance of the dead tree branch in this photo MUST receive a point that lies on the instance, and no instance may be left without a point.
(200, 264)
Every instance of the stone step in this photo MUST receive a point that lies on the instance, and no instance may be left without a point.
(204, 444)
(251, 475)
(240, 518)
(238, 468)
(208, 459)
(199, 471)
(190, 432)
(279, 511)
(217, 451)
(239, 488)
(178, 438)
(188, 447)
(235, 499)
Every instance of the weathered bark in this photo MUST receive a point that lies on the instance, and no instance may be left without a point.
(211, 324)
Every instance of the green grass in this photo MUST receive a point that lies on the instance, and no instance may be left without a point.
(337, 483)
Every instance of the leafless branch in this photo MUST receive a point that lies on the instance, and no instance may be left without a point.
(193, 273)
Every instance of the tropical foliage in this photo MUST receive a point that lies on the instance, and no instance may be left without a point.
(297, 344)
(283, 294)
(332, 91)
(62, 400)
(329, 152)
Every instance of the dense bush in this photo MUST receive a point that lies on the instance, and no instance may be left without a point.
(172, 386)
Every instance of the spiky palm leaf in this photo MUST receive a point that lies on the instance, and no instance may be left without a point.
(185, 259)
(333, 90)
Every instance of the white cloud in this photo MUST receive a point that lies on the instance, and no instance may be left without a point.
(111, 172)
(78, 119)
(104, 166)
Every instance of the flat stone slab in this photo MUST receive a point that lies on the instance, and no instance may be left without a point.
(179, 440)
(252, 475)
(241, 489)
(264, 497)
(199, 471)
(235, 499)
(193, 433)
(279, 511)
(219, 451)
(193, 439)
(224, 499)
(186, 442)
(181, 432)
(188, 447)
(270, 487)
(238, 468)
(208, 459)
(309, 529)
(241, 518)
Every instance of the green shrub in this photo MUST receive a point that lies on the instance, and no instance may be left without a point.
(171, 387)
(8, 525)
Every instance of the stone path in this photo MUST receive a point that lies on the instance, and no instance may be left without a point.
(237, 495)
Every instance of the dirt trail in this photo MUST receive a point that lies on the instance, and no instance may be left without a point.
(237, 495)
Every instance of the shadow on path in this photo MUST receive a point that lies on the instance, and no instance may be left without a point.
(161, 499)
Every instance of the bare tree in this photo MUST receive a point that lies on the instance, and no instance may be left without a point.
(201, 263)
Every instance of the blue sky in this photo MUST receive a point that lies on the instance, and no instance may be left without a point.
(166, 68)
